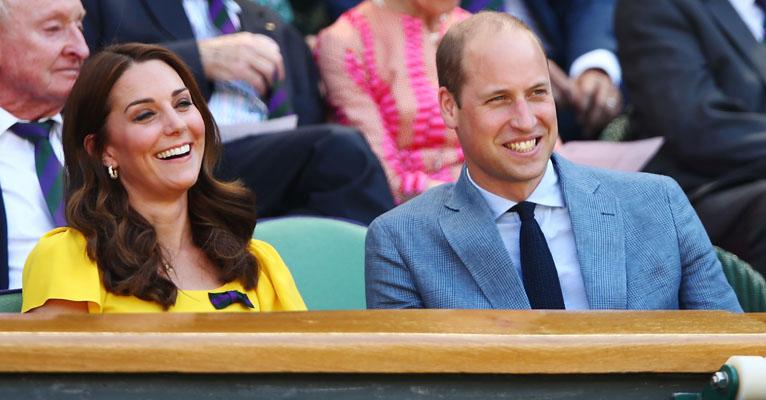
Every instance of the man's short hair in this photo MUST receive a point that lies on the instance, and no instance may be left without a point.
(449, 54)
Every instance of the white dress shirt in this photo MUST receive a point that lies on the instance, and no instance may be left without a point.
(552, 214)
(232, 102)
(26, 212)
(599, 58)
(751, 15)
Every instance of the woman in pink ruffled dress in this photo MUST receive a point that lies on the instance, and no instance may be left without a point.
(378, 62)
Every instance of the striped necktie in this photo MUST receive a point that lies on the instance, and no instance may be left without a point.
(278, 98)
(49, 171)
(475, 6)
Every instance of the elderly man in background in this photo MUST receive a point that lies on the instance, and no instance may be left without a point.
(41, 51)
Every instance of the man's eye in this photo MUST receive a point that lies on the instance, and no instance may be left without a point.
(52, 28)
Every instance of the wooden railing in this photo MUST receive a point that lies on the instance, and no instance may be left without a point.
(411, 341)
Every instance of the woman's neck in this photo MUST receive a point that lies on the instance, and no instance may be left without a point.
(432, 22)
(170, 221)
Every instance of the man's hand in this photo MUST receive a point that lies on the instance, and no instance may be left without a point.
(563, 87)
(596, 100)
(253, 58)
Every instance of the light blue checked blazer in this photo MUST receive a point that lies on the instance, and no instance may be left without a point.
(639, 243)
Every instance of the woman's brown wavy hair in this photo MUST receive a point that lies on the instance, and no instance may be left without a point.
(121, 241)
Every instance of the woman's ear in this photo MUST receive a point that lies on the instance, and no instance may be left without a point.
(89, 143)
(90, 146)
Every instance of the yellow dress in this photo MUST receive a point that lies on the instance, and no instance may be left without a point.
(59, 268)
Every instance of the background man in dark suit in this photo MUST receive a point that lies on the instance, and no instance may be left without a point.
(317, 169)
(696, 73)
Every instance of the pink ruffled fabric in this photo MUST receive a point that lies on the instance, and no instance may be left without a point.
(388, 59)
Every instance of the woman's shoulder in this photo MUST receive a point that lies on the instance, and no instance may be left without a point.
(59, 268)
(263, 251)
(276, 288)
(61, 240)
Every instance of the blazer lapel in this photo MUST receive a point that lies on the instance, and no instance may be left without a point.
(599, 235)
(731, 23)
(473, 235)
(170, 17)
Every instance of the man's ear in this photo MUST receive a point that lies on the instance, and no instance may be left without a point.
(448, 107)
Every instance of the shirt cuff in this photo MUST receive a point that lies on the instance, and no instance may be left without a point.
(601, 59)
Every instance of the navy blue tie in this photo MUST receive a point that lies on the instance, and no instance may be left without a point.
(538, 269)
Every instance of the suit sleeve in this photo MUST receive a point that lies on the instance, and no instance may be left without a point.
(675, 91)
(703, 283)
(100, 31)
(589, 27)
(388, 280)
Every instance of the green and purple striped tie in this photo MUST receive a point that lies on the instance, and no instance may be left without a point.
(278, 99)
(49, 171)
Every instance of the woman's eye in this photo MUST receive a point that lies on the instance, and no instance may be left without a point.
(184, 103)
(143, 116)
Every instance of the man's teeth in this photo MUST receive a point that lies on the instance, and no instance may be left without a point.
(522, 147)
(174, 152)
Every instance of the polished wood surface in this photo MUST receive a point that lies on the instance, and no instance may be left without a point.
(408, 341)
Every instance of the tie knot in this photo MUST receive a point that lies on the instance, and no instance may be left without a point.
(525, 209)
(33, 131)
(219, 15)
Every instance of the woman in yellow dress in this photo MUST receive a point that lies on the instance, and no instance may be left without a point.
(150, 228)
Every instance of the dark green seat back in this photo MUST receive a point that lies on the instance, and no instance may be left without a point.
(10, 301)
(747, 283)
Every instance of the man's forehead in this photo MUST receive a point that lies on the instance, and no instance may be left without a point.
(484, 49)
(491, 56)
(42, 10)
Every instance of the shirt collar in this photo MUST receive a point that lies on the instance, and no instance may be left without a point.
(547, 193)
(742, 4)
(746, 8)
(7, 120)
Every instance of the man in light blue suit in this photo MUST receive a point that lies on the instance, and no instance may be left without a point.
(524, 229)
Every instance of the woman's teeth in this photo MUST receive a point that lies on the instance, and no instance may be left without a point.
(174, 152)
